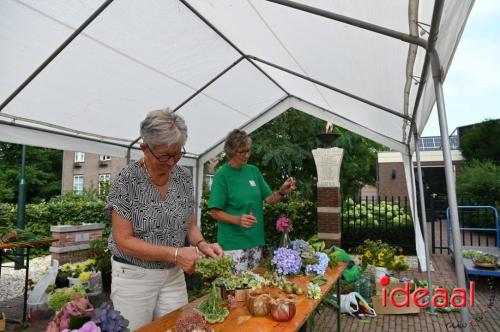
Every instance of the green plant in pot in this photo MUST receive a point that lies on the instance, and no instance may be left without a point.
(100, 252)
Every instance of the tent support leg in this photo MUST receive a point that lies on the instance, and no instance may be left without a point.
(424, 223)
(437, 75)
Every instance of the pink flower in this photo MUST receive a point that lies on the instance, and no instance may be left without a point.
(78, 307)
(283, 224)
(89, 326)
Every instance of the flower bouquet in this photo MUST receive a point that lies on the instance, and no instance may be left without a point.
(79, 315)
(284, 225)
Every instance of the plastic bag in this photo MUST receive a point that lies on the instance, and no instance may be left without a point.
(38, 295)
(355, 305)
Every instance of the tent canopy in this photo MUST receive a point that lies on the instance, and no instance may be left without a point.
(81, 75)
(221, 64)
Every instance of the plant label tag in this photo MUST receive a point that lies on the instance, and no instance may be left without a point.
(252, 183)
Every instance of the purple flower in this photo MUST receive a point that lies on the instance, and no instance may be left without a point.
(286, 261)
(320, 268)
(89, 326)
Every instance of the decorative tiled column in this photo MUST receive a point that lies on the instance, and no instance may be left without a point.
(328, 163)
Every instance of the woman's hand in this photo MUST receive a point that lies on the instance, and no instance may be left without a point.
(186, 257)
(287, 186)
(211, 249)
(247, 220)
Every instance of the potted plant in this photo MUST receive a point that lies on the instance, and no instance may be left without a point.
(100, 252)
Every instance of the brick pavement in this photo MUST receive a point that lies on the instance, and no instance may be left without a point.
(444, 275)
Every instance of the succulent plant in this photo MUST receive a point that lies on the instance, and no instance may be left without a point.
(110, 320)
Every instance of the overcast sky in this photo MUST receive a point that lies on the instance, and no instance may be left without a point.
(472, 86)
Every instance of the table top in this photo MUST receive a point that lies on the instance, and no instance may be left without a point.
(470, 268)
(27, 244)
(240, 319)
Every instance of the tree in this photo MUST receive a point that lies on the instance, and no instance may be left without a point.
(282, 147)
(43, 173)
(480, 141)
(479, 182)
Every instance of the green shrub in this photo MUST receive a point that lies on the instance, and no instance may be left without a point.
(301, 212)
(67, 209)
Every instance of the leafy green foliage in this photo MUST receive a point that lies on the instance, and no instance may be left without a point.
(214, 267)
(67, 209)
(481, 141)
(359, 162)
(302, 212)
(479, 181)
(213, 309)
(283, 147)
(43, 173)
(388, 221)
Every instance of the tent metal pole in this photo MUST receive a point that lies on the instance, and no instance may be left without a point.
(437, 75)
(345, 93)
(197, 92)
(200, 178)
(227, 40)
(130, 148)
(354, 22)
(414, 200)
(56, 53)
(424, 222)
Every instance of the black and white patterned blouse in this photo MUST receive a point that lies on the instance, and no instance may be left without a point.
(156, 220)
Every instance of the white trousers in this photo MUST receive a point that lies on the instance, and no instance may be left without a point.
(143, 295)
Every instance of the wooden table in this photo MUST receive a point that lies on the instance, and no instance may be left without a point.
(239, 319)
(26, 263)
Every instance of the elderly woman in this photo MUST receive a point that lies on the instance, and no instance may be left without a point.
(152, 210)
(236, 201)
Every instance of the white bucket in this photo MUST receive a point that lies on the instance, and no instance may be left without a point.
(379, 273)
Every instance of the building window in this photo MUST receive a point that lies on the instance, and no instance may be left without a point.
(79, 157)
(78, 183)
(104, 158)
(104, 183)
(209, 178)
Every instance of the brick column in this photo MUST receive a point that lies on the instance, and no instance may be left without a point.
(328, 162)
(74, 241)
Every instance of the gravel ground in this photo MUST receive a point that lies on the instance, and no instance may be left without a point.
(12, 281)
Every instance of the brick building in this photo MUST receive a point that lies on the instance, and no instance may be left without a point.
(390, 169)
(87, 171)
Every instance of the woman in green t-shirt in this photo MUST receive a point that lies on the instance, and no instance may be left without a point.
(236, 201)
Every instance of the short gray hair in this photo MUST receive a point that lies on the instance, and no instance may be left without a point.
(163, 127)
(235, 140)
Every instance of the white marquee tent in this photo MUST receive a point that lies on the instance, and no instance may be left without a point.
(81, 74)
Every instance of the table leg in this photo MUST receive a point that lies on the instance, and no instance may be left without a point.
(27, 267)
(1, 261)
(338, 304)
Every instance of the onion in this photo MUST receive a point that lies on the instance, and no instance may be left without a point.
(283, 308)
(258, 303)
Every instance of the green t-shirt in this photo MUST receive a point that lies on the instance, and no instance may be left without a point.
(239, 191)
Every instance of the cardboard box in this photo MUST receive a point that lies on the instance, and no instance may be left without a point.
(389, 309)
(399, 297)
(2, 322)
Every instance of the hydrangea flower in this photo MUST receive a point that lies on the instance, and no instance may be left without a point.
(286, 261)
(299, 245)
(320, 268)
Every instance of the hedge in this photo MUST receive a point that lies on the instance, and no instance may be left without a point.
(301, 212)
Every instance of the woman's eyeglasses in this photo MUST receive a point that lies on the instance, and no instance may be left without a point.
(244, 151)
(166, 157)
